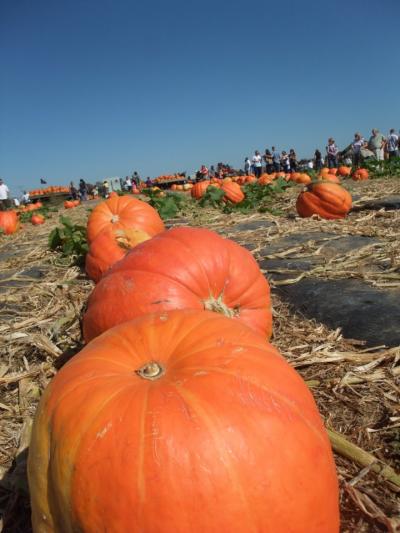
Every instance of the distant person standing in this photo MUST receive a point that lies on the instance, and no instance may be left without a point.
(136, 179)
(357, 145)
(392, 144)
(106, 188)
(318, 160)
(269, 163)
(376, 144)
(332, 153)
(285, 163)
(73, 191)
(276, 159)
(247, 166)
(257, 164)
(4, 192)
(127, 185)
(292, 160)
(83, 190)
(25, 198)
(204, 175)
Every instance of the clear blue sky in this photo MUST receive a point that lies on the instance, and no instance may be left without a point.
(95, 88)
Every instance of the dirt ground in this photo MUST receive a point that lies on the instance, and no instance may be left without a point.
(357, 389)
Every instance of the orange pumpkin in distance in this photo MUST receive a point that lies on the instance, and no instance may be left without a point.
(123, 212)
(326, 199)
(110, 246)
(233, 192)
(361, 174)
(182, 268)
(344, 171)
(9, 222)
(199, 189)
(180, 422)
(265, 179)
(36, 220)
(302, 178)
(330, 177)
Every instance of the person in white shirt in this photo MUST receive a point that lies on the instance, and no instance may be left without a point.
(25, 198)
(392, 145)
(4, 191)
(128, 184)
(257, 163)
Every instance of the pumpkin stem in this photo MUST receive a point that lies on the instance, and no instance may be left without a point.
(218, 306)
(114, 219)
(151, 371)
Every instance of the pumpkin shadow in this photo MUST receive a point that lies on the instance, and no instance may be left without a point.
(15, 511)
(67, 355)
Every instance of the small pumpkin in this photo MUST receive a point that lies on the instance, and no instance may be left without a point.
(199, 189)
(326, 199)
(36, 220)
(182, 268)
(233, 192)
(176, 422)
(344, 171)
(123, 212)
(9, 222)
(69, 204)
(302, 178)
(265, 179)
(361, 174)
(333, 171)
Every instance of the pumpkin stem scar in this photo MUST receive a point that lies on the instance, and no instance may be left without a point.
(218, 306)
(151, 371)
(114, 218)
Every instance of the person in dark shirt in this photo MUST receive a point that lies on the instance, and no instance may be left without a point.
(83, 190)
(293, 160)
(318, 160)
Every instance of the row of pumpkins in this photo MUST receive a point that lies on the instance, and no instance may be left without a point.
(10, 222)
(178, 415)
(49, 190)
(324, 196)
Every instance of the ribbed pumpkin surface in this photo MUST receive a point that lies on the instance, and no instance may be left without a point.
(226, 439)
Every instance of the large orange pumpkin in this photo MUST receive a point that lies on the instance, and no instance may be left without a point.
(178, 422)
(182, 268)
(233, 192)
(9, 222)
(361, 174)
(110, 246)
(326, 199)
(199, 189)
(123, 212)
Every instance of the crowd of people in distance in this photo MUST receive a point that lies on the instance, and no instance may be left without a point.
(378, 147)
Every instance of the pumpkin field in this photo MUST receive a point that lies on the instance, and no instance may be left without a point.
(186, 381)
